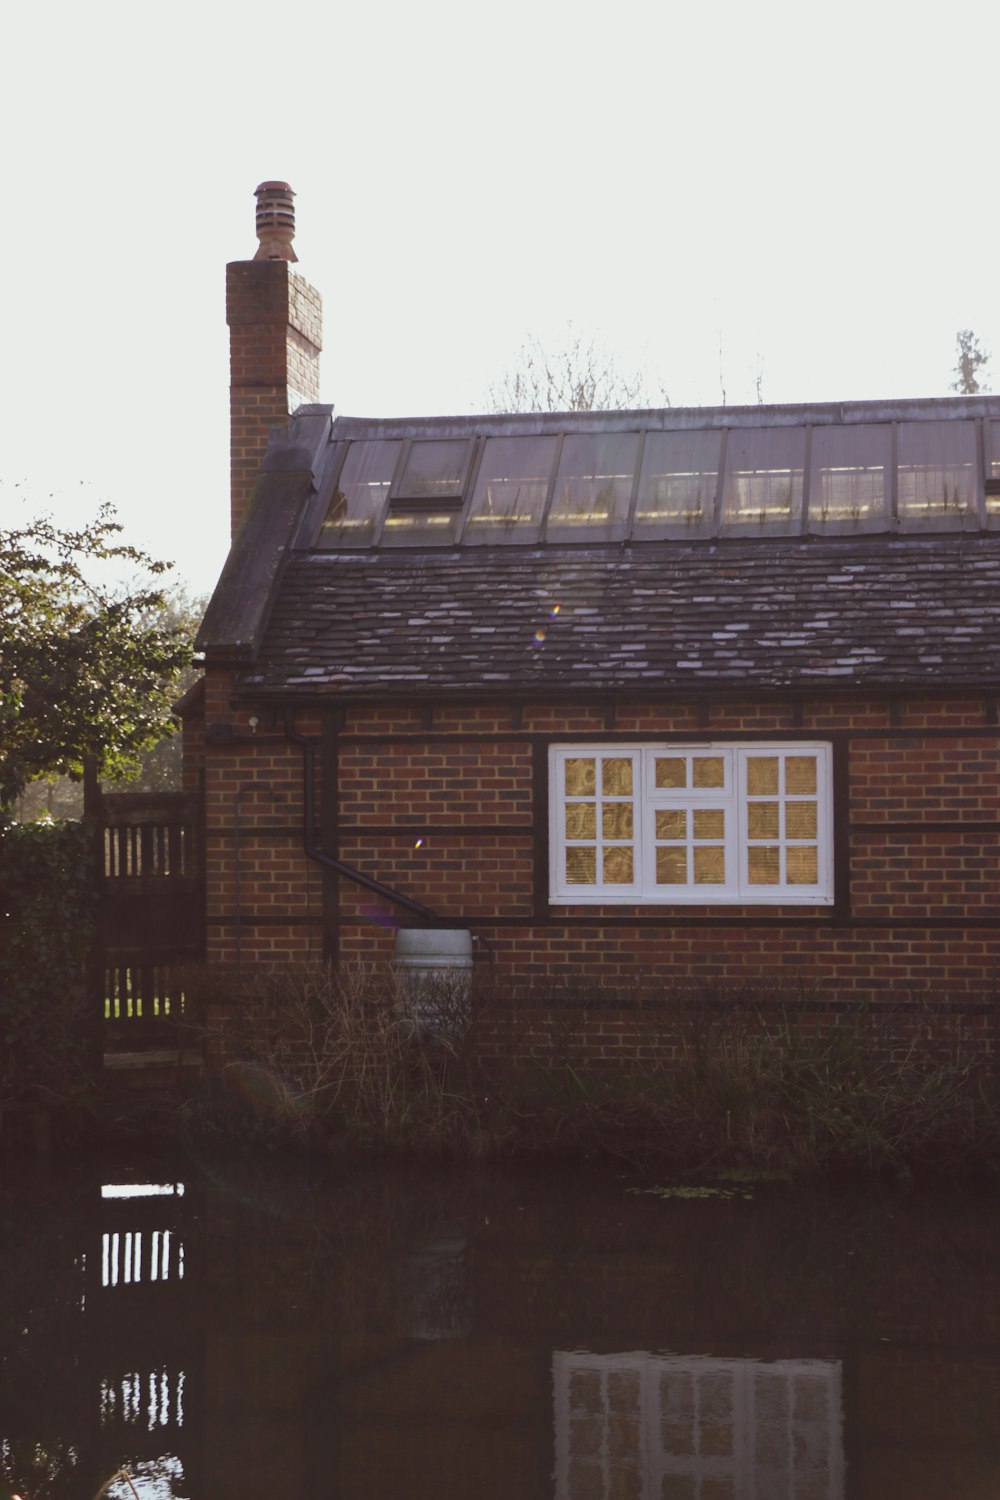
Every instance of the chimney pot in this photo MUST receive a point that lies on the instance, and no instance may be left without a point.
(275, 221)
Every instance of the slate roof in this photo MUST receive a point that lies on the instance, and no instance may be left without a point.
(661, 617)
(300, 615)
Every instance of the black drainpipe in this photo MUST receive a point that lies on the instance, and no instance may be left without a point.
(327, 860)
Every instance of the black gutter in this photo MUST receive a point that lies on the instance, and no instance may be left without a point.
(327, 860)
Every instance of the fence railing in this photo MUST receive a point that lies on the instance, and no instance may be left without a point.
(151, 911)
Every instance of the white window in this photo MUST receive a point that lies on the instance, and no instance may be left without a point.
(692, 823)
(698, 1427)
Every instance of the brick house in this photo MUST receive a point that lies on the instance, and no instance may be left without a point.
(706, 695)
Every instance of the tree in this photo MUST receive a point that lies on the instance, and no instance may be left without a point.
(972, 358)
(580, 376)
(156, 769)
(88, 664)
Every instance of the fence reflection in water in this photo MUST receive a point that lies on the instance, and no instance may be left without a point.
(251, 1325)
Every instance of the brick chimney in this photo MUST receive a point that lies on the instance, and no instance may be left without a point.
(275, 336)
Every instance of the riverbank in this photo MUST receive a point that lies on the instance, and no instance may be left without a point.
(758, 1083)
(754, 1083)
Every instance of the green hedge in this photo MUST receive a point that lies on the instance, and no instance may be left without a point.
(48, 907)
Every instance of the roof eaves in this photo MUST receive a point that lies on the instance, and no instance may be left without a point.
(292, 472)
(240, 607)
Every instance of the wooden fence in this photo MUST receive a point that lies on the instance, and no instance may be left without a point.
(152, 921)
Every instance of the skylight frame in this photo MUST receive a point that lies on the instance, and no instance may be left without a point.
(453, 490)
(956, 513)
(374, 532)
(891, 442)
(850, 514)
(677, 525)
(764, 475)
(586, 525)
(505, 530)
(991, 473)
(417, 513)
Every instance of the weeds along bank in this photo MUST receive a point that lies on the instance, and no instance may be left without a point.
(760, 1079)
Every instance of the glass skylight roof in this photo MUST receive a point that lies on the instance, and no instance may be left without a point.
(512, 486)
(594, 477)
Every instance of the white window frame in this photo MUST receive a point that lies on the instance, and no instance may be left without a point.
(746, 1427)
(734, 796)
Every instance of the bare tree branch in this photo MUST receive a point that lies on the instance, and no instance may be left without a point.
(578, 376)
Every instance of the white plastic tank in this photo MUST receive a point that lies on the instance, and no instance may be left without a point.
(435, 974)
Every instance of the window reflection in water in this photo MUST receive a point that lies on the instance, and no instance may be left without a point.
(692, 1427)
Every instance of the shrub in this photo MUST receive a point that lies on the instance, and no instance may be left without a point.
(47, 923)
(310, 1054)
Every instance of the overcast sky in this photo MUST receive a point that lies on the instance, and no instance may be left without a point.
(714, 192)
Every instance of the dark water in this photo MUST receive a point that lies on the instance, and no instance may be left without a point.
(247, 1327)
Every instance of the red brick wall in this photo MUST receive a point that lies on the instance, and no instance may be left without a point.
(443, 806)
(275, 321)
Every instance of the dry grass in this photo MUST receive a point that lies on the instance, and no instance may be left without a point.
(757, 1081)
(323, 1057)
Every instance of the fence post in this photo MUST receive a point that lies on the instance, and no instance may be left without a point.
(94, 818)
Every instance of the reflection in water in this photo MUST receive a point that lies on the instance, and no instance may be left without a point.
(229, 1328)
(151, 1400)
(160, 1480)
(433, 1281)
(122, 1258)
(142, 1190)
(673, 1427)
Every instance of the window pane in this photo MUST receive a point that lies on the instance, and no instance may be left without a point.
(800, 775)
(709, 823)
(765, 865)
(671, 772)
(849, 484)
(618, 866)
(355, 512)
(680, 473)
(802, 867)
(763, 482)
(937, 473)
(581, 778)
(616, 820)
(671, 823)
(671, 867)
(709, 865)
(708, 771)
(800, 820)
(593, 487)
(616, 778)
(993, 468)
(434, 469)
(762, 820)
(421, 528)
(581, 820)
(762, 775)
(511, 488)
(581, 867)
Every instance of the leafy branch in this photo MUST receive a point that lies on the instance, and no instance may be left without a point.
(88, 663)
